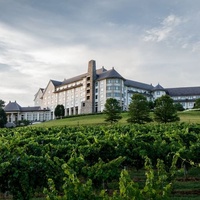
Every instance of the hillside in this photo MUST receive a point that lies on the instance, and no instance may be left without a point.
(187, 116)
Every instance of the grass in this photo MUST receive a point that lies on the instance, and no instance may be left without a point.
(190, 116)
(99, 119)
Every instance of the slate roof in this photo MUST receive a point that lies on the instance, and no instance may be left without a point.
(12, 106)
(56, 83)
(101, 70)
(15, 107)
(135, 84)
(158, 87)
(29, 108)
(77, 78)
(74, 79)
(109, 74)
(183, 91)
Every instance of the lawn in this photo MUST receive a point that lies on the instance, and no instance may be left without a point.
(99, 119)
(190, 116)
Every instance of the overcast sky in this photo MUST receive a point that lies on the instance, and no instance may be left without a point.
(150, 41)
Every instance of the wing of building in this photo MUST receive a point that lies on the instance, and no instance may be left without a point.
(87, 93)
(16, 113)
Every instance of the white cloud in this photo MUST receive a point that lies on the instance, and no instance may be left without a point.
(164, 31)
(171, 21)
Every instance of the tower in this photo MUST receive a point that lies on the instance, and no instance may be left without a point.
(88, 105)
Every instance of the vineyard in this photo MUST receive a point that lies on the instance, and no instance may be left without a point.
(105, 162)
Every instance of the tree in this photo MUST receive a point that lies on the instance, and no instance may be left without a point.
(112, 110)
(165, 110)
(179, 106)
(151, 105)
(2, 103)
(139, 110)
(3, 118)
(197, 103)
(59, 111)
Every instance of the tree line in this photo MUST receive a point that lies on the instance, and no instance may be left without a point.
(164, 110)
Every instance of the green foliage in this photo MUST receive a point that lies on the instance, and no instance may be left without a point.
(3, 118)
(112, 110)
(23, 122)
(197, 103)
(2, 103)
(164, 110)
(73, 188)
(179, 107)
(157, 185)
(151, 105)
(102, 172)
(59, 111)
(128, 189)
(71, 160)
(139, 109)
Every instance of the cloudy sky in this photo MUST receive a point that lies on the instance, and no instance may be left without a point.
(150, 41)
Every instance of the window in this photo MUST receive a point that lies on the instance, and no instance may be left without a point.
(108, 94)
(117, 95)
(108, 88)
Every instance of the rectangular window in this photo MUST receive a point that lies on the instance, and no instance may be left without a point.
(108, 94)
(117, 95)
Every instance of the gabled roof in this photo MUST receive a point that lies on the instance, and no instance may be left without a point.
(109, 74)
(56, 83)
(12, 106)
(40, 89)
(183, 91)
(135, 84)
(158, 87)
